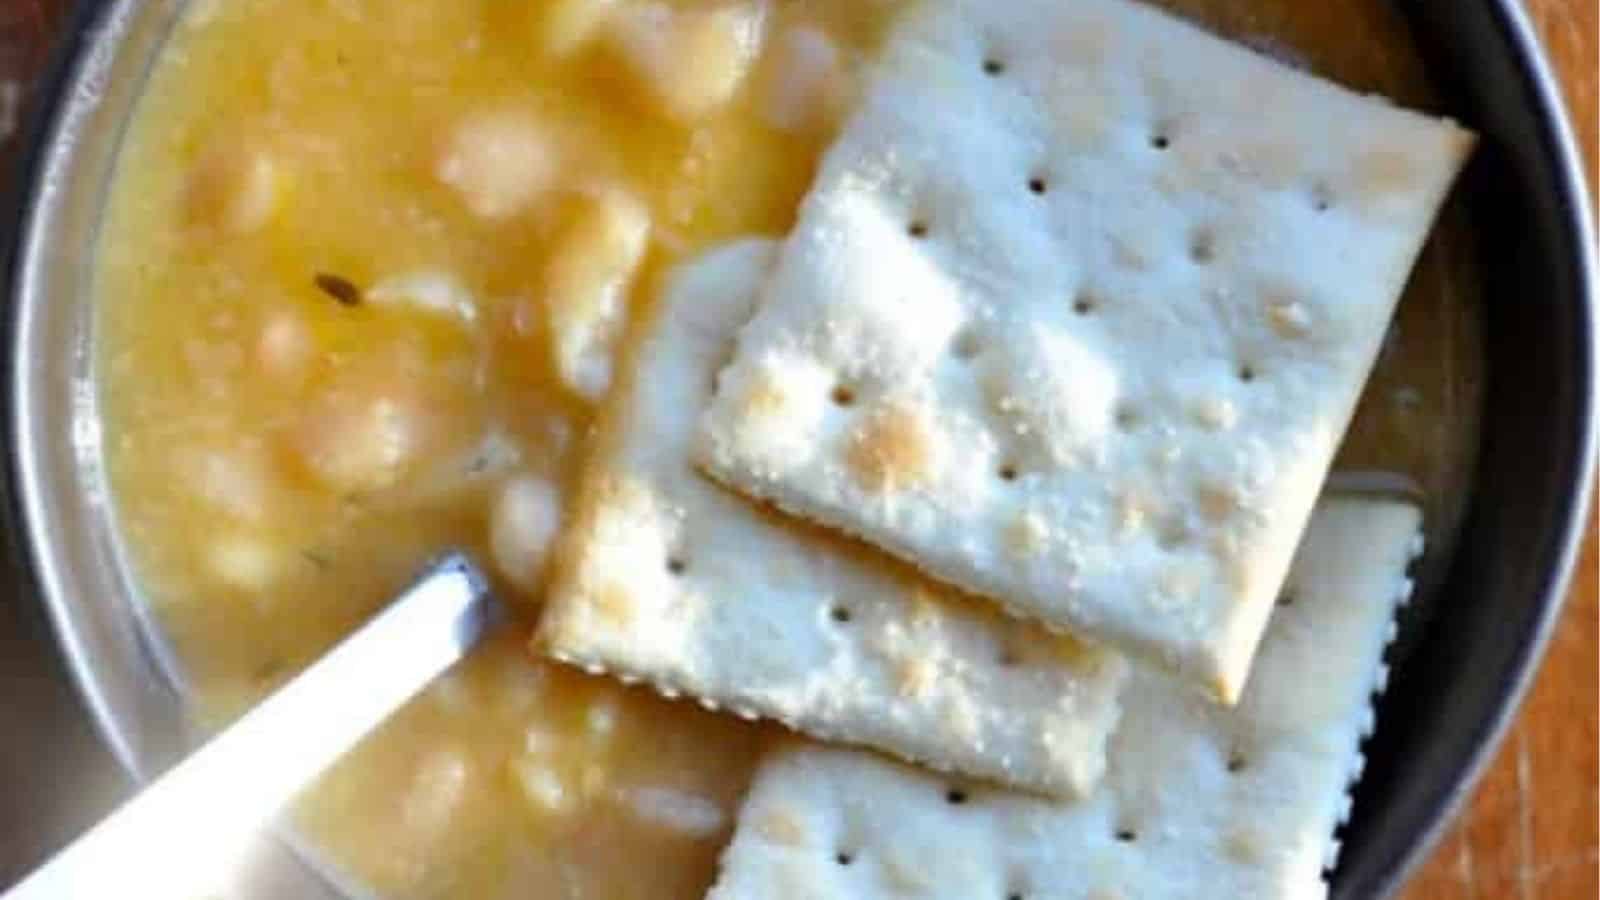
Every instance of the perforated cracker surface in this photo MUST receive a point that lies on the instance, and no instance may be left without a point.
(1199, 801)
(1076, 314)
(669, 578)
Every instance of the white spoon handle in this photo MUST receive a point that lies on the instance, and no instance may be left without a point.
(183, 831)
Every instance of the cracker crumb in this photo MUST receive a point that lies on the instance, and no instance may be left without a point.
(1133, 510)
(1028, 534)
(1288, 317)
(1216, 413)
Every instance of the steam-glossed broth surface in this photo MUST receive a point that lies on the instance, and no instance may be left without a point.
(365, 269)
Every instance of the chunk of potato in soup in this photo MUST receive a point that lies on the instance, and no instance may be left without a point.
(366, 271)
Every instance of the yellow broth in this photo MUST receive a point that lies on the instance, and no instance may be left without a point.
(284, 459)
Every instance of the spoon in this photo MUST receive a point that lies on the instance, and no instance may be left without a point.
(178, 835)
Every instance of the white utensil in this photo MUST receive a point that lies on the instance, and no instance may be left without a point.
(180, 834)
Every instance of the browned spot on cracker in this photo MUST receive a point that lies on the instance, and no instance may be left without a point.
(1075, 653)
(613, 604)
(1270, 163)
(913, 676)
(781, 826)
(892, 450)
(620, 492)
(1217, 501)
(1242, 845)
(1384, 171)
(1084, 43)
(764, 399)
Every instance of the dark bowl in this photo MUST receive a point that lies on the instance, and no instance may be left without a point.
(1450, 699)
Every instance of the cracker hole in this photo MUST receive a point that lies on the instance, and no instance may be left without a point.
(844, 857)
(842, 395)
(967, 345)
(1160, 140)
(1247, 373)
(1202, 246)
(1015, 895)
(1321, 197)
(1009, 657)
(918, 229)
(1236, 762)
(1037, 185)
(993, 67)
(1084, 304)
(1125, 835)
(1127, 418)
(1007, 472)
(955, 796)
(840, 614)
(677, 565)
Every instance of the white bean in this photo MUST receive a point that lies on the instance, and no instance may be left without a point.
(284, 345)
(586, 288)
(437, 788)
(360, 443)
(807, 84)
(244, 562)
(232, 187)
(692, 62)
(677, 810)
(523, 524)
(571, 24)
(431, 291)
(541, 786)
(498, 162)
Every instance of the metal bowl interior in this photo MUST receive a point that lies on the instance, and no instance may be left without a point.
(1446, 706)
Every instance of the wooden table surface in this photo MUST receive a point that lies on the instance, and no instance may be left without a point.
(1532, 829)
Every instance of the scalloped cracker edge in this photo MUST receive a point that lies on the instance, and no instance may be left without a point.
(666, 577)
(1198, 800)
(1075, 315)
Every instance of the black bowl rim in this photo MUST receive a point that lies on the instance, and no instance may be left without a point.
(1564, 161)
(1560, 155)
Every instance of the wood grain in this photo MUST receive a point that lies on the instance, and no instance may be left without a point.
(1531, 828)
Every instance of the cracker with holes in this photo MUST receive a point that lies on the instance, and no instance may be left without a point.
(1198, 799)
(1076, 314)
(668, 578)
